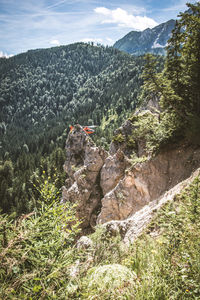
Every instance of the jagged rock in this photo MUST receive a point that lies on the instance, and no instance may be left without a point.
(112, 171)
(147, 181)
(127, 197)
(83, 165)
(133, 226)
(84, 243)
(108, 188)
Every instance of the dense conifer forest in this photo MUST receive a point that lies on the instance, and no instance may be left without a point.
(42, 93)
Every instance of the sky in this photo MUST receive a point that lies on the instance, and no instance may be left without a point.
(33, 24)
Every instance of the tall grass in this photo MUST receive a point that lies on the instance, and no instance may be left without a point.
(38, 254)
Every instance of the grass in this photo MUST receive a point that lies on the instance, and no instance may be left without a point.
(37, 256)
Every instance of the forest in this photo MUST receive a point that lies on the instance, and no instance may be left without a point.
(45, 91)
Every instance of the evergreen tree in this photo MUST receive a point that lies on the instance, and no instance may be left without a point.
(183, 59)
(178, 86)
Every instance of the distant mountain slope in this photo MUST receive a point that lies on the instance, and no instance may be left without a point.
(150, 40)
(42, 91)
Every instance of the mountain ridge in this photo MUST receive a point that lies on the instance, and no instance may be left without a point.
(149, 40)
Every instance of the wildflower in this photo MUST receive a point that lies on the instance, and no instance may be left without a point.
(187, 291)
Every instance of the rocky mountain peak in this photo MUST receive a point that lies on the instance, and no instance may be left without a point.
(149, 40)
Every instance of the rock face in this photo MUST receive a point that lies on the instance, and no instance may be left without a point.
(132, 227)
(112, 171)
(107, 187)
(83, 164)
(147, 181)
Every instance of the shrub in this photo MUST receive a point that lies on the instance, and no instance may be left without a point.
(37, 250)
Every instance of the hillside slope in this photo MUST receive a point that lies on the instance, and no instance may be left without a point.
(43, 91)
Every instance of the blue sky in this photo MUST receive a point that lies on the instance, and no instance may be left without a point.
(32, 24)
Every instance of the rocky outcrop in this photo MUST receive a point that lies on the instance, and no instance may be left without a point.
(133, 226)
(108, 187)
(147, 181)
(112, 171)
(83, 164)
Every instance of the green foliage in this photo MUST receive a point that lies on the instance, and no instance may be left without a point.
(43, 92)
(178, 85)
(37, 255)
(157, 85)
(6, 182)
(151, 132)
(119, 138)
(135, 160)
(112, 281)
(131, 143)
(192, 131)
(18, 179)
(36, 250)
(107, 249)
(157, 130)
(183, 59)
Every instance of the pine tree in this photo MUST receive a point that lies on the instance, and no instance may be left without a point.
(183, 59)
(178, 86)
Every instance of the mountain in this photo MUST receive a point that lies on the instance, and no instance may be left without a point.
(44, 91)
(150, 40)
(65, 84)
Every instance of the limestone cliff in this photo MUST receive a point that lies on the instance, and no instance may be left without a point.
(147, 181)
(83, 164)
(109, 186)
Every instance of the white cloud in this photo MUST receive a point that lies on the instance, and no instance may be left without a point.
(109, 40)
(5, 54)
(104, 41)
(86, 40)
(55, 42)
(123, 19)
